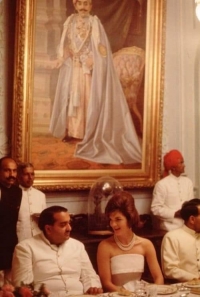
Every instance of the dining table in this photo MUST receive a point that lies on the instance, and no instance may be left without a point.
(166, 290)
(148, 290)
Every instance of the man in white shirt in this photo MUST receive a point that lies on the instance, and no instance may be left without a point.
(180, 249)
(55, 259)
(170, 193)
(32, 204)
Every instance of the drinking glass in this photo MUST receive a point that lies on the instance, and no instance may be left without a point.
(140, 289)
(152, 290)
(183, 291)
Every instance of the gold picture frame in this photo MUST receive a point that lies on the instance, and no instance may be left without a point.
(26, 85)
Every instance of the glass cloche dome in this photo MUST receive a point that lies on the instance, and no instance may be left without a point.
(100, 193)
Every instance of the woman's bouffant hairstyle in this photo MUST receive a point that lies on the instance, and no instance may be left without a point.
(124, 202)
(190, 208)
(47, 216)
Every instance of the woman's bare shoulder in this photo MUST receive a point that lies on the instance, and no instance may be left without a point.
(107, 242)
(143, 241)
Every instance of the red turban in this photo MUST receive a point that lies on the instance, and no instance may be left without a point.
(171, 160)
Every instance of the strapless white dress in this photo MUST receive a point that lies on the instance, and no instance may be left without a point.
(126, 270)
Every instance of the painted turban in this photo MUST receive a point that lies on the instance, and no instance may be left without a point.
(171, 160)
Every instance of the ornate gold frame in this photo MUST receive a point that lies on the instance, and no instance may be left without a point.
(58, 180)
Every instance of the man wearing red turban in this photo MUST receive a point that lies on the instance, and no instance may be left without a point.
(170, 192)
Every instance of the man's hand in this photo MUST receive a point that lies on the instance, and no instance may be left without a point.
(94, 291)
(58, 63)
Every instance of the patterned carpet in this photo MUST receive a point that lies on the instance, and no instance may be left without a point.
(49, 153)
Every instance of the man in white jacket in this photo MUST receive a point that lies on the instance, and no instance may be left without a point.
(32, 204)
(54, 259)
(180, 249)
(170, 193)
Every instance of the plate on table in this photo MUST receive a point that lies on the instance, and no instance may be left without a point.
(83, 295)
(165, 289)
(195, 291)
(118, 294)
(194, 283)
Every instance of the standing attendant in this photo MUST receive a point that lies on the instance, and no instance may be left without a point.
(32, 204)
(10, 199)
(170, 193)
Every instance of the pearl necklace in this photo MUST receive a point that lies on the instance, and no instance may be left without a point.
(125, 247)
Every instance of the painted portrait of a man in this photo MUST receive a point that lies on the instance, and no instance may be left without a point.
(95, 64)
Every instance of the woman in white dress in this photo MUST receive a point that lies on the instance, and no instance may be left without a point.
(121, 257)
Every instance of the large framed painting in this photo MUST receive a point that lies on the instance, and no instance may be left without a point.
(88, 91)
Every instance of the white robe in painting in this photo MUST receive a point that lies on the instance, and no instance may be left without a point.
(89, 99)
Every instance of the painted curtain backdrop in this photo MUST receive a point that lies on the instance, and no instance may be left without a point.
(124, 23)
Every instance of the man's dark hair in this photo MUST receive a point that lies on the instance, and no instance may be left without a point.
(21, 166)
(47, 216)
(190, 208)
